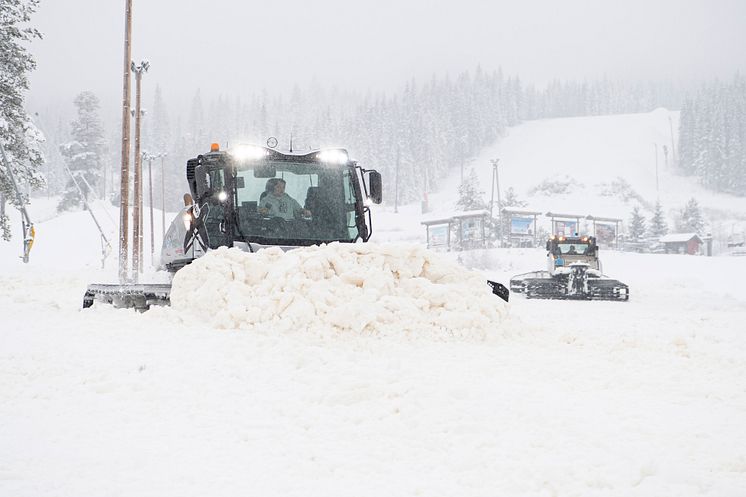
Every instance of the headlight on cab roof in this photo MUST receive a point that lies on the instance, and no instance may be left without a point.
(333, 156)
(248, 152)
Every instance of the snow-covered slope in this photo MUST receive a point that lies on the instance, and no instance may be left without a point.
(594, 155)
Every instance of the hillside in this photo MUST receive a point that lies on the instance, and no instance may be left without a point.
(606, 165)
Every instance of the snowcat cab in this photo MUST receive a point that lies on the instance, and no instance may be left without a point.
(573, 272)
(232, 189)
(563, 252)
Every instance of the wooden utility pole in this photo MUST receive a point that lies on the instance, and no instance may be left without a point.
(657, 190)
(673, 145)
(137, 189)
(150, 193)
(396, 184)
(125, 168)
(163, 197)
(496, 185)
(137, 209)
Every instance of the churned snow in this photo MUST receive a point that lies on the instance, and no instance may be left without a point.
(371, 288)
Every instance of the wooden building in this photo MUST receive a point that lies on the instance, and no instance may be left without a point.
(681, 243)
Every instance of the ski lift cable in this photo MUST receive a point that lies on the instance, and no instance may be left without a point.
(105, 250)
(96, 197)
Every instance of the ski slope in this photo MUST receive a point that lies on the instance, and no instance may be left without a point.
(590, 154)
(644, 398)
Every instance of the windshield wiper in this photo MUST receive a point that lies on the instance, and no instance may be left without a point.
(244, 238)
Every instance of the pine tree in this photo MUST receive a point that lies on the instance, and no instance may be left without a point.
(196, 140)
(469, 195)
(85, 153)
(18, 136)
(157, 145)
(636, 225)
(512, 200)
(658, 224)
(159, 129)
(712, 136)
(691, 220)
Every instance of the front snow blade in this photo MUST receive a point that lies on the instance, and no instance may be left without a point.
(499, 290)
(518, 282)
(607, 289)
(547, 288)
(139, 297)
(556, 288)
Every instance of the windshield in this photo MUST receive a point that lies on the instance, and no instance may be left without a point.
(572, 248)
(295, 203)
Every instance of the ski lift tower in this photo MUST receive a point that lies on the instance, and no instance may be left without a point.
(496, 186)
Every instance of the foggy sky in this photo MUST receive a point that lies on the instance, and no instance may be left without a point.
(237, 47)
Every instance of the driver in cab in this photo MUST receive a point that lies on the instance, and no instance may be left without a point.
(277, 203)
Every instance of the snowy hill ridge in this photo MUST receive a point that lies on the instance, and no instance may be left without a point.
(602, 166)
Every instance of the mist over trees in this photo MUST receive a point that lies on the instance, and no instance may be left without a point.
(690, 219)
(658, 225)
(712, 136)
(470, 196)
(432, 126)
(636, 227)
(84, 155)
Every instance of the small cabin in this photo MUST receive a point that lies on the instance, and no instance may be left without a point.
(681, 243)
(520, 227)
(461, 230)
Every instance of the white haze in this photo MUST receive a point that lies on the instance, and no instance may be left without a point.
(238, 48)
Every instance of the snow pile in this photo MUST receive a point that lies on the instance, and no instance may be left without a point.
(362, 288)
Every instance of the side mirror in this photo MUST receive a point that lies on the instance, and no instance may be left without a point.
(203, 182)
(376, 187)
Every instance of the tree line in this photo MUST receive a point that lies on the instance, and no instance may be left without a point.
(414, 136)
(712, 136)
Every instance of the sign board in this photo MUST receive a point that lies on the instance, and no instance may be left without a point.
(565, 228)
(521, 225)
(438, 235)
(471, 229)
(605, 233)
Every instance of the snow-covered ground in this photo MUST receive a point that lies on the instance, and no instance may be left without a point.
(643, 398)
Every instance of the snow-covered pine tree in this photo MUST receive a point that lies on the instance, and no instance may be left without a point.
(691, 220)
(686, 137)
(19, 137)
(85, 153)
(658, 225)
(712, 136)
(197, 132)
(636, 225)
(160, 132)
(735, 167)
(511, 199)
(469, 195)
(158, 144)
